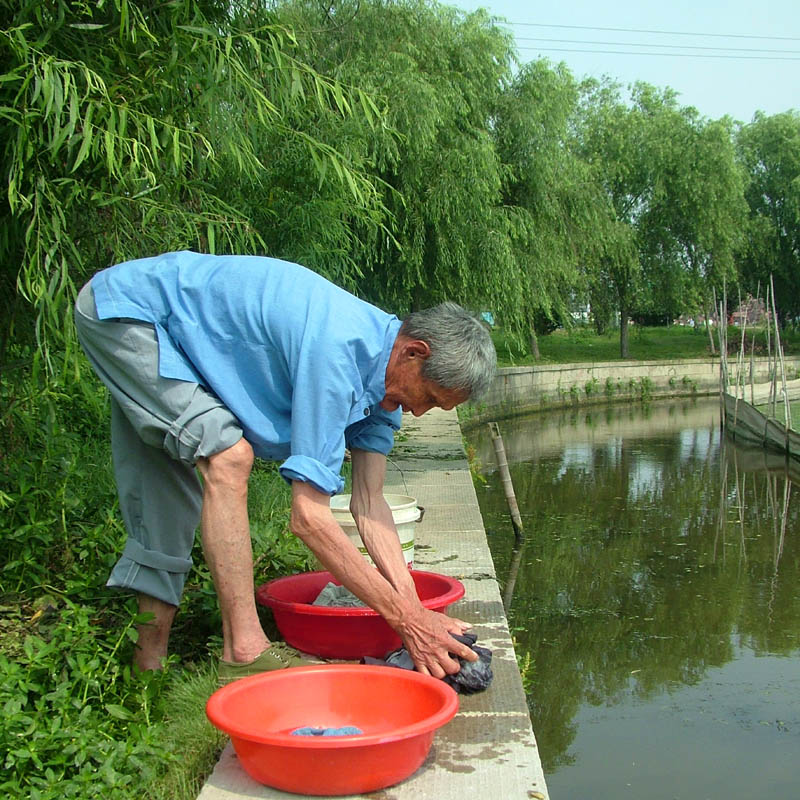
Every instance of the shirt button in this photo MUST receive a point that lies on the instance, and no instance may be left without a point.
(366, 412)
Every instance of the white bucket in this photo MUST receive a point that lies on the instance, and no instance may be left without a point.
(405, 513)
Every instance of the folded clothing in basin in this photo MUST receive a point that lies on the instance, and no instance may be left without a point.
(335, 596)
(347, 730)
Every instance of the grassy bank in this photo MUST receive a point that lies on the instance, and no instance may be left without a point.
(77, 722)
(581, 345)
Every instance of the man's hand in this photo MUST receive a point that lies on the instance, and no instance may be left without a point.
(427, 637)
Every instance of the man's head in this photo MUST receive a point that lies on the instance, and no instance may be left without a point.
(443, 356)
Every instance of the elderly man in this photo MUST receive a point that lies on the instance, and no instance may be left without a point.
(213, 360)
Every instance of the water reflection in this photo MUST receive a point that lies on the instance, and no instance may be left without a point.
(657, 553)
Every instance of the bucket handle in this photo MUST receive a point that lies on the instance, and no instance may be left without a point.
(421, 510)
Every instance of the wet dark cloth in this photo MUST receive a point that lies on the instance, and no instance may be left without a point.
(474, 676)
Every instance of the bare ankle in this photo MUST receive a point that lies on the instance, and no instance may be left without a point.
(244, 654)
(148, 662)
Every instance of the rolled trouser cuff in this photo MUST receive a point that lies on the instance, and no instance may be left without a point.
(159, 583)
(154, 559)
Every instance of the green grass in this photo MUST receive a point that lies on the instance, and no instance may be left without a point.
(77, 721)
(582, 345)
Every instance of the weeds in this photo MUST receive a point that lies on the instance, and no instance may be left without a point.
(77, 720)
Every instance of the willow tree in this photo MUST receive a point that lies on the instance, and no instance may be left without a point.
(675, 195)
(769, 149)
(613, 142)
(549, 196)
(693, 224)
(124, 127)
(438, 73)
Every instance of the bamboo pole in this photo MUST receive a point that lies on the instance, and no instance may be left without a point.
(779, 351)
(771, 359)
(513, 571)
(505, 478)
(516, 519)
(720, 337)
(753, 351)
(740, 357)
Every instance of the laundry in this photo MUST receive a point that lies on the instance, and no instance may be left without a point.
(335, 596)
(346, 730)
(474, 676)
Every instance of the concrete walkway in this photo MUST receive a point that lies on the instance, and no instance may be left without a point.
(489, 749)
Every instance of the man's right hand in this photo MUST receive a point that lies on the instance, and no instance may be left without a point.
(427, 635)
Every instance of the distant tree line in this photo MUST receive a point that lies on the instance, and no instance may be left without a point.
(397, 147)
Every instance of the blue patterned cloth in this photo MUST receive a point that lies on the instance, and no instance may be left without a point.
(347, 730)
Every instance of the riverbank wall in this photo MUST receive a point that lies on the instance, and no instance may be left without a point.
(519, 390)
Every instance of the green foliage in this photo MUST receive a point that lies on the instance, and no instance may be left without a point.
(75, 722)
(547, 192)
(769, 149)
(675, 202)
(125, 128)
(57, 507)
(574, 393)
(438, 73)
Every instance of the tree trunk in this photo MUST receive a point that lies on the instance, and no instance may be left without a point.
(623, 333)
(537, 356)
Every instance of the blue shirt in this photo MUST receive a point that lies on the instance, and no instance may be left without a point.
(300, 362)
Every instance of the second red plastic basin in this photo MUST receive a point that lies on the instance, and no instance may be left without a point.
(347, 633)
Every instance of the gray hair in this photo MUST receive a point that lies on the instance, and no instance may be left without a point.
(462, 353)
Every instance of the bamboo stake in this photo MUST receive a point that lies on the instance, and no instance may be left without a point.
(708, 321)
(740, 357)
(505, 478)
(516, 519)
(772, 369)
(513, 571)
(753, 352)
(779, 351)
(725, 328)
(723, 413)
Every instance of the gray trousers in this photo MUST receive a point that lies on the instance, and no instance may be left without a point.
(159, 429)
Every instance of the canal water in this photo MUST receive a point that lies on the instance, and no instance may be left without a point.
(657, 599)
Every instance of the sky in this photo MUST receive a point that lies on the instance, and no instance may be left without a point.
(759, 39)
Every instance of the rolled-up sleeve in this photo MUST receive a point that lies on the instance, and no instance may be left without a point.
(309, 470)
(376, 433)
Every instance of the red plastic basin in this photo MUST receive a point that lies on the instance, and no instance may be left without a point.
(398, 711)
(347, 633)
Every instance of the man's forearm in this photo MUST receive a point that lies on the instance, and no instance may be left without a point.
(379, 534)
(375, 522)
(313, 522)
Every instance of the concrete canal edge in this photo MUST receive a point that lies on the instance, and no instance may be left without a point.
(519, 390)
(489, 749)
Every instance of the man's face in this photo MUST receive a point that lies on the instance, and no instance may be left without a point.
(406, 387)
